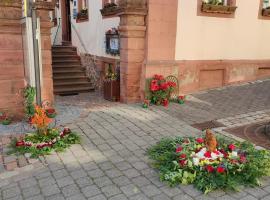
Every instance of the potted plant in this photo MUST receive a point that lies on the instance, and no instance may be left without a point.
(181, 99)
(146, 103)
(5, 119)
(112, 85)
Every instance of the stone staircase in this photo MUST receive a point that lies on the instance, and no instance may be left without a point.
(68, 75)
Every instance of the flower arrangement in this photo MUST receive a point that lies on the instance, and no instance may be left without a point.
(189, 161)
(37, 144)
(181, 99)
(146, 103)
(5, 119)
(160, 90)
(40, 120)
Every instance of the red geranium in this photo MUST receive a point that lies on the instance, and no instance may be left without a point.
(20, 143)
(165, 102)
(50, 111)
(158, 77)
(182, 162)
(178, 149)
(181, 97)
(154, 86)
(200, 140)
(220, 169)
(210, 168)
(164, 86)
(208, 154)
(183, 156)
(231, 147)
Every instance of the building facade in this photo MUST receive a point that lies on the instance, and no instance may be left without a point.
(202, 48)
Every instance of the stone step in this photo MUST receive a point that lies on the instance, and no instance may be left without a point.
(71, 78)
(65, 56)
(69, 73)
(66, 83)
(68, 70)
(73, 89)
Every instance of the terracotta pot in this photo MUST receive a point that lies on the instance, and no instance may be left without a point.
(112, 90)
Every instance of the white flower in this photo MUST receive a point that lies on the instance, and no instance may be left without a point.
(234, 154)
(196, 161)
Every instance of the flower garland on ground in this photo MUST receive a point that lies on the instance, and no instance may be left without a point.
(44, 140)
(160, 90)
(188, 161)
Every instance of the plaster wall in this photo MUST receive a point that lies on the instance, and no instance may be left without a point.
(213, 38)
(92, 32)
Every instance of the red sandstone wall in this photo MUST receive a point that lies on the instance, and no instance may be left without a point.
(11, 61)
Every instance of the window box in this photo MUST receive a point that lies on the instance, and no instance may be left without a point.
(109, 9)
(82, 15)
(222, 9)
(266, 12)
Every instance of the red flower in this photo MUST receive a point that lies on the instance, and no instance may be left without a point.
(165, 102)
(50, 111)
(200, 140)
(182, 162)
(209, 168)
(178, 149)
(181, 97)
(208, 154)
(220, 170)
(154, 86)
(243, 159)
(20, 143)
(231, 147)
(164, 86)
(158, 77)
(183, 155)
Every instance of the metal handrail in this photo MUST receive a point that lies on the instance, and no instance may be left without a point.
(57, 30)
(78, 35)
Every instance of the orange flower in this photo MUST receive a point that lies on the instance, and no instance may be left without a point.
(40, 119)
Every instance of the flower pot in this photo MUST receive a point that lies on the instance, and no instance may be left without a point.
(6, 122)
(181, 101)
(112, 90)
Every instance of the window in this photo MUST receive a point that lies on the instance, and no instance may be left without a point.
(264, 11)
(82, 11)
(217, 8)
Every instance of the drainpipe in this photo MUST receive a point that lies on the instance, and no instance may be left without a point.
(36, 52)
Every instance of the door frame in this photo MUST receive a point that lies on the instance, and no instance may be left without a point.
(66, 23)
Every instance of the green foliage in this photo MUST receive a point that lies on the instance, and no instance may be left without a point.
(29, 94)
(166, 160)
(61, 144)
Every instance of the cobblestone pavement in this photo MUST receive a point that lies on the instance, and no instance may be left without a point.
(111, 162)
